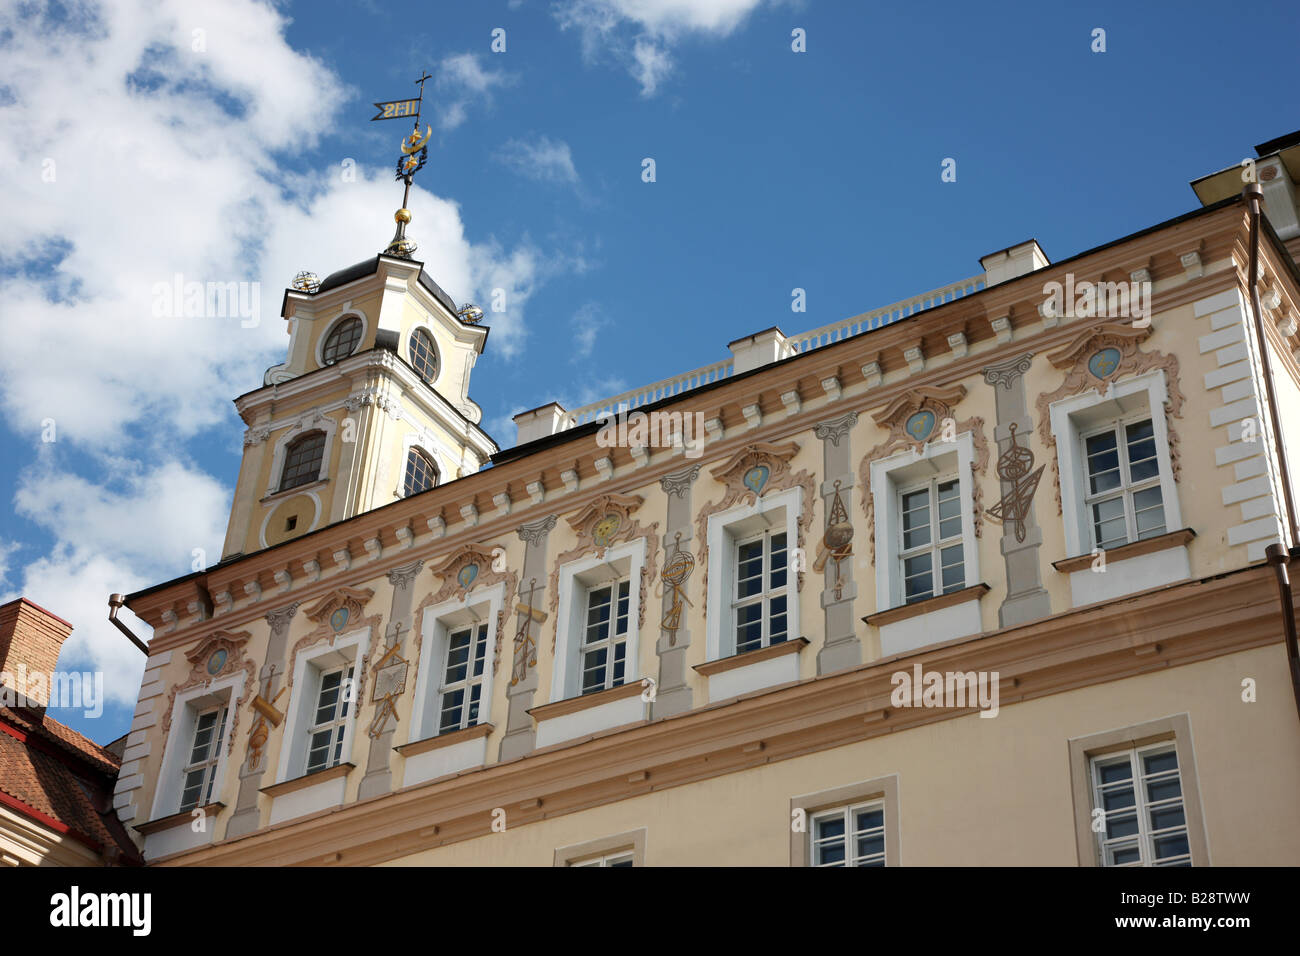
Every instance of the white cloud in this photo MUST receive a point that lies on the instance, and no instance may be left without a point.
(638, 33)
(130, 157)
(462, 81)
(586, 324)
(543, 159)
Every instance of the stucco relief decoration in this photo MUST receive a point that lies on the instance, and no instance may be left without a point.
(1097, 358)
(472, 566)
(837, 541)
(751, 473)
(604, 522)
(337, 613)
(218, 655)
(390, 683)
(916, 419)
(1014, 468)
(677, 571)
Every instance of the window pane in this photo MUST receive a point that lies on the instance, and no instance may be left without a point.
(421, 473)
(749, 627)
(777, 620)
(916, 519)
(918, 577)
(302, 460)
(749, 566)
(1121, 825)
(342, 340)
(1103, 463)
(423, 356)
(953, 569)
(1108, 522)
(1149, 511)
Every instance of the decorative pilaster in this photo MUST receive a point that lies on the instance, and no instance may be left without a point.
(247, 817)
(520, 737)
(672, 694)
(1026, 599)
(842, 647)
(388, 682)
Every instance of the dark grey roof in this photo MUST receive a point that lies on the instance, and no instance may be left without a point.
(368, 267)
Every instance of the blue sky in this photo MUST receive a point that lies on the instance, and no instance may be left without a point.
(774, 170)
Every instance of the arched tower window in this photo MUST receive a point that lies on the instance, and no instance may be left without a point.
(302, 460)
(423, 355)
(421, 473)
(342, 340)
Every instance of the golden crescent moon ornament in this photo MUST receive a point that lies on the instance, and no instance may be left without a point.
(414, 143)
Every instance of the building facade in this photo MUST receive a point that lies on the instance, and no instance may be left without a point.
(975, 578)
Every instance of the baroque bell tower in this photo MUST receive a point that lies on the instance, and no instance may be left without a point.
(372, 403)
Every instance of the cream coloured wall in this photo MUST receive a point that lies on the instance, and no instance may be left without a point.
(973, 791)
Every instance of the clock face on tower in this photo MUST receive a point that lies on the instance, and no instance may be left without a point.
(603, 531)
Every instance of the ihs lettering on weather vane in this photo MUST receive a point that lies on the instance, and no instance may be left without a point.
(415, 153)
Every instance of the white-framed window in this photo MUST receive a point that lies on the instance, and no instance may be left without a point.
(1138, 796)
(300, 455)
(924, 522)
(460, 696)
(334, 699)
(604, 636)
(194, 761)
(200, 773)
(1117, 481)
(752, 599)
(322, 713)
(597, 637)
(342, 339)
(930, 538)
(848, 836)
(1122, 494)
(760, 591)
(610, 859)
(454, 684)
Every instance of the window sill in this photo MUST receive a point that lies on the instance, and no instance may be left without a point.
(308, 780)
(1163, 542)
(297, 489)
(177, 819)
(917, 608)
(572, 705)
(449, 739)
(759, 670)
(709, 668)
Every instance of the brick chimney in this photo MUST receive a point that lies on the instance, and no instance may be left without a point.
(30, 640)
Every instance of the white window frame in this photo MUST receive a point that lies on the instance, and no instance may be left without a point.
(1073, 417)
(208, 766)
(1145, 836)
(777, 509)
(427, 442)
(436, 627)
(846, 813)
(310, 665)
(345, 705)
(575, 580)
(180, 739)
(938, 459)
(611, 642)
(609, 859)
(1127, 488)
(766, 592)
(936, 545)
(480, 636)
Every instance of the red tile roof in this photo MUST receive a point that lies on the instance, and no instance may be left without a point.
(59, 778)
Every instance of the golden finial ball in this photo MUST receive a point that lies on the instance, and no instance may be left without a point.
(402, 215)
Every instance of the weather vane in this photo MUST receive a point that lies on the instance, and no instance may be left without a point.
(415, 153)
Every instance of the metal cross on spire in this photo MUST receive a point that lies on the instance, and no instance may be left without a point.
(415, 153)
